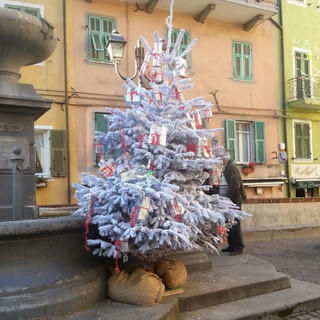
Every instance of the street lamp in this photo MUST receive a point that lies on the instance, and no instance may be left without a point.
(115, 47)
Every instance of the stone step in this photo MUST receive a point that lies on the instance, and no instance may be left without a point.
(301, 297)
(265, 233)
(230, 279)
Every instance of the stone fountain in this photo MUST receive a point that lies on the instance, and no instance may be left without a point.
(45, 271)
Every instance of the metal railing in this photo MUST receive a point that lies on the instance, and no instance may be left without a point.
(270, 3)
(304, 87)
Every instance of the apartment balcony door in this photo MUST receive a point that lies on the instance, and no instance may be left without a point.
(302, 74)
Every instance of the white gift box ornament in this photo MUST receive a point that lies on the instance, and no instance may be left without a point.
(179, 94)
(197, 122)
(133, 95)
(107, 169)
(138, 174)
(202, 148)
(145, 65)
(158, 135)
(176, 208)
(206, 114)
(182, 68)
(144, 208)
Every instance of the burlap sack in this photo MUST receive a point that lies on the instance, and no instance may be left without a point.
(172, 273)
(140, 287)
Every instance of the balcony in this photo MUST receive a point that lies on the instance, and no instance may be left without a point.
(304, 92)
(249, 13)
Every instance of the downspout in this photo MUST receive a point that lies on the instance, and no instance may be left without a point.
(284, 104)
(66, 98)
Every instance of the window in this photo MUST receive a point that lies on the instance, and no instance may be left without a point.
(246, 141)
(32, 9)
(302, 140)
(100, 124)
(242, 61)
(100, 30)
(184, 44)
(302, 73)
(50, 148)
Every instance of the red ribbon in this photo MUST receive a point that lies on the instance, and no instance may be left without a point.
(155, 138)
(132, 93)
(117, 243)
(87, 222)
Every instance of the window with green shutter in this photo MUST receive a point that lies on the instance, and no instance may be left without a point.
(302, 140)
(58, 153)
(99, 31)
(184, 44)
(242, 61)
(102, 125)
(246, 141)
(30, 10)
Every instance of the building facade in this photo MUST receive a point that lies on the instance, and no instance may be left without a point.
(235, 65)
(301, 52)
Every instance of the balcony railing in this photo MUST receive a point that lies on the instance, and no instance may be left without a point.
(304, 87)
(270, 3)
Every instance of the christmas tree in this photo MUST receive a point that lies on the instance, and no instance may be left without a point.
(148, 198)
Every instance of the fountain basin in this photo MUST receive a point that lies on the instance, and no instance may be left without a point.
(45, 270)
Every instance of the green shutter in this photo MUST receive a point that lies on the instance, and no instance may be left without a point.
(101, 123)
(230, 137)
(242, 60)
(58, 153)
(260, 141)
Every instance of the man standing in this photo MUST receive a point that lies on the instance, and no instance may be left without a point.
(231, 186)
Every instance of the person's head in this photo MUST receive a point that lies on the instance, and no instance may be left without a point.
(225, 155)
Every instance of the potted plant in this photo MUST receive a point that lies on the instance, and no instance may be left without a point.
(248, 168)
(41, 182)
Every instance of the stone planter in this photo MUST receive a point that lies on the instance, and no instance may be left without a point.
(247, 170)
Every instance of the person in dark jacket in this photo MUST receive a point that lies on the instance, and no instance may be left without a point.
(231, 186)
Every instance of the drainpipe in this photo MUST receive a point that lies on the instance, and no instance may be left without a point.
(66, 100)
(284, 104)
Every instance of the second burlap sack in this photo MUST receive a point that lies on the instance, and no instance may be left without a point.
(172, 273)
(140, 287)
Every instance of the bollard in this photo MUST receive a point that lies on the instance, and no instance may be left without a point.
(17, 184)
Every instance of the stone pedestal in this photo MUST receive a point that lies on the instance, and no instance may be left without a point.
(25, 40)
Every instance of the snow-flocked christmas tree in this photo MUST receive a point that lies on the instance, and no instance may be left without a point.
(148, 198)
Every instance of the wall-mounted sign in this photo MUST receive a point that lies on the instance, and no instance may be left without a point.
(305, 171)
(6, 151)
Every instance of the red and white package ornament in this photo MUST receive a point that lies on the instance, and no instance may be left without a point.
(192, 123)
(206, 114)
(179, 93)
(143, 210)
(145, 65)
(203, 149)
(157, 72)
(136, 174)
(133, 96)
(157, 94)
(220, 231)
(176, 209)
(214, 176)
(99, 145)
(107, 169)
(158, 135)
(197, 121)
(182, 68)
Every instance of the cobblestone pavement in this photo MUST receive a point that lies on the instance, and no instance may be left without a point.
(299, 258)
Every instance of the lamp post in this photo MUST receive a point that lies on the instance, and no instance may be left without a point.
(115, 47)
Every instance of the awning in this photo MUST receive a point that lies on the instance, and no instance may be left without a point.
(263, 184)
(302, 184)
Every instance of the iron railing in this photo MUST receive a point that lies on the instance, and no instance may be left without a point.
(270, 3)
(304, 87)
